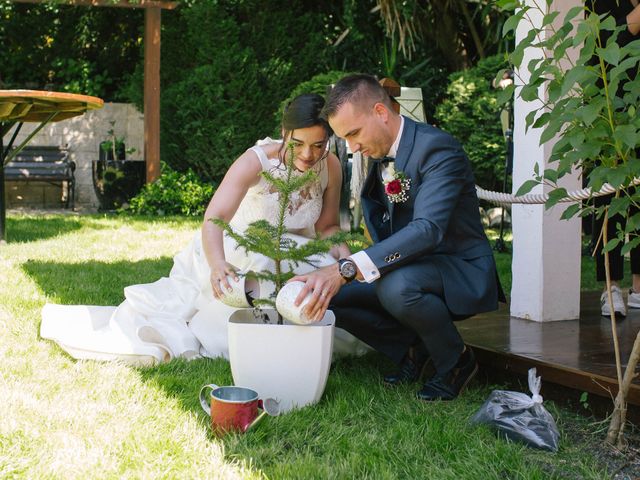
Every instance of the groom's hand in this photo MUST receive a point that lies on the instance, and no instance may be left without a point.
(322, 284)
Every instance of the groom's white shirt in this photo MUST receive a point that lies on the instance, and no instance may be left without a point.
(368, 269)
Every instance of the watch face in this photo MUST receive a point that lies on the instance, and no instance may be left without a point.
(348, 270)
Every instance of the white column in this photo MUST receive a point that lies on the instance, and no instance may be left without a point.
(546, 250)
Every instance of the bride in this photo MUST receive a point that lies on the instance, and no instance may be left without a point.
(182, 315)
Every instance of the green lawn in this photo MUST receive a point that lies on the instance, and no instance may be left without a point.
(68, 419)
(588, 281)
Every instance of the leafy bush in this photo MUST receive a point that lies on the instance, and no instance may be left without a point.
(66, 48)
(221, 97)
(207, 132)
(174, 192)
(470, 112)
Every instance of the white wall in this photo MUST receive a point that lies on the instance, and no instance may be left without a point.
(82, 136)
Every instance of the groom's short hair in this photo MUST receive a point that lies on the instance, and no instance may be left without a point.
(361, 90)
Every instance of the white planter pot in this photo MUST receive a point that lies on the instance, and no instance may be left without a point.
(287, 362)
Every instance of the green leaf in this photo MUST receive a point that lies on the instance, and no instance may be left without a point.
(529, 92)
(542, 120)
(555, 196)
(589, 112)
(512, 22)
(554, 90)
(609, 23)
(630, 245)
(560, 49)
(518, 52)
(526, 187)
(633, 224)
(573, 12)
(573, 76)
(507, 4)
(627, 135)
(583, 31)
(610, 54)
(551, 175)
(553, 127)
(590, 149)
(533, 64)
(577, 139)
(617, 177)
(570, 211)
(619, 205)
(505, 95)
(529, 119)
(549, 18)
(611, 244)
(624, 67)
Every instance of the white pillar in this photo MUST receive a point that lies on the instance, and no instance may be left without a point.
(546, 250)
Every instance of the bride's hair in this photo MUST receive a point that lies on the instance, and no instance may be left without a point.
(303, 112)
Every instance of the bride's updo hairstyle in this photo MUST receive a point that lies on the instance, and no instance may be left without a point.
(304, 112)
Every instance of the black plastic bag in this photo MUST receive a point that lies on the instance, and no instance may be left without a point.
(520, 417)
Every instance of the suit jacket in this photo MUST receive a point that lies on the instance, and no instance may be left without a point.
(440, 220)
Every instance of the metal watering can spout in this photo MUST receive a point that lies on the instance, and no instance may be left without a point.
(269, 406)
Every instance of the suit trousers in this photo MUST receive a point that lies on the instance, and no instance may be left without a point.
(401, 309)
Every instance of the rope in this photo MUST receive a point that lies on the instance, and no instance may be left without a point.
(537, 198)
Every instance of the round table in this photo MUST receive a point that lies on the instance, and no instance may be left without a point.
(41, 107)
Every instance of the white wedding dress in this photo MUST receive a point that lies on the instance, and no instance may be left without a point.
(177, 316)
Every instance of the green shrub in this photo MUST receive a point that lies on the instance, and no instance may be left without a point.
(181, 193)
(70, 49)
(470, 112)
(243, 57)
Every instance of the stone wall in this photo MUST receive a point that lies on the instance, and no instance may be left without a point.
(82, 136)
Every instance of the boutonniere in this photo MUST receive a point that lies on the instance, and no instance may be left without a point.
(396, 184)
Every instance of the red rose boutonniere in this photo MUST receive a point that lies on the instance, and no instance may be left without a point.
(396, 184)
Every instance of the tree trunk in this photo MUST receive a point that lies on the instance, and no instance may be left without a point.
(615, 434)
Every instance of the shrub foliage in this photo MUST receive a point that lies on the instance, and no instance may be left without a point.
(174, 193)
(471, 113)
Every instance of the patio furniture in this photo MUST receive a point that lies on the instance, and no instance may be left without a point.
(41, 107)
(48, 164)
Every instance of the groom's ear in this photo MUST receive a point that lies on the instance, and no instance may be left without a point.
(381, 111)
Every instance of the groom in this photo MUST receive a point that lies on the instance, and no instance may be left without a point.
(431, 263)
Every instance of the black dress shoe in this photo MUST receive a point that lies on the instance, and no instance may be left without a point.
(448, 386)
(413, 367)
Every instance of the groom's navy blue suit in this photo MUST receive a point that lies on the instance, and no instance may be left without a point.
(435, 262)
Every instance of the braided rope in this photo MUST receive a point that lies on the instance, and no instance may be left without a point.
(538, 198)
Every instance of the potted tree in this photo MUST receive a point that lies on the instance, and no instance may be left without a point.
(116, 179)
(267, 352)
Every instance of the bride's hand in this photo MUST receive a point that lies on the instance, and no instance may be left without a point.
(220, 272)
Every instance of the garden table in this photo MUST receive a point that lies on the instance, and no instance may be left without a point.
(41, 107)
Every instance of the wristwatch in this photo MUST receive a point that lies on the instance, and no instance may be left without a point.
(347, 269)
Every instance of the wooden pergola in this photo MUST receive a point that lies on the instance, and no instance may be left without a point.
(152, 22)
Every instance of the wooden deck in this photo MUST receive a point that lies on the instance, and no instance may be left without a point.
(577, 354)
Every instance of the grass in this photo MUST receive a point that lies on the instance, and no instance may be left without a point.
(70, 419)
(588, 281)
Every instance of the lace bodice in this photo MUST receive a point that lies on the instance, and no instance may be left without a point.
(261, 200)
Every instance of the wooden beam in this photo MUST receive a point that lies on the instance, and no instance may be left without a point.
(152, 21)
(154, 4)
